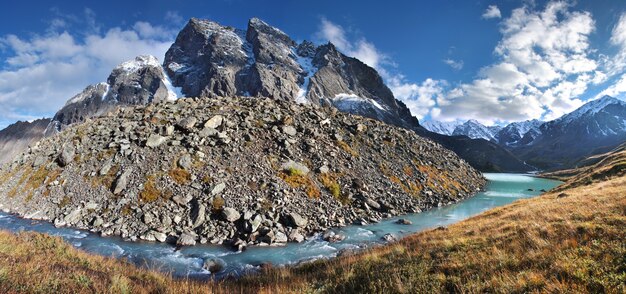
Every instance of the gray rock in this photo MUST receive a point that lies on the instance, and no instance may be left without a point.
(230, 214)
(213, 265)
(186, 239)
(280, 237)
(187, 123)
(290, 130)
(214, 122)
(297, 220)
(121, 182)
(161, 237)
(218, 189)
(67, 155)
(185, 161)
(182, 200)
(198, 214)
(404, 221)
(389, 238)
(155, 140)
(39, 160)
(73, 217)
(296, 236)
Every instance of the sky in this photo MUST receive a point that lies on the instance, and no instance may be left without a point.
(493, 61)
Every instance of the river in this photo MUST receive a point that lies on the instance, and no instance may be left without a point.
(501, 189)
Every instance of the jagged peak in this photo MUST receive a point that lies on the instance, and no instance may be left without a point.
(140, 62)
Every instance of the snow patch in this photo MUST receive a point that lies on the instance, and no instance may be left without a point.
(138, 63)
(353, 103)
(88, 93)
(173, 93)
(308, 69)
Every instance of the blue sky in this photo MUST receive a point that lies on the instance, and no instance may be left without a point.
(495, 61)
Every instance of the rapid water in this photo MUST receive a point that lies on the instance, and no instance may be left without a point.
(502, 189)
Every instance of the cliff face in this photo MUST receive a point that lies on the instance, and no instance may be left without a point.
(16, 138)
(248, 170)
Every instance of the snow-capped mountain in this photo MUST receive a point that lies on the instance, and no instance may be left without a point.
(475, 130)
(514, 133)
(444, 128)
(138, 81)
(596, 127)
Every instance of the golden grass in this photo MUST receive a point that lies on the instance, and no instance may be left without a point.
(149, 193)
(345, 147)
(180, 176)
(296, 179)
(330, 182)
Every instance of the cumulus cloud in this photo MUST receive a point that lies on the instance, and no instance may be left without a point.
(43, 71)
(492, 12)
(544, 65)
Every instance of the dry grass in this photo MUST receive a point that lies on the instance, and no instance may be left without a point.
(330, 182)
(56, 267)
(296, 179)
(180, 176)
(150, 193)
(345, 147)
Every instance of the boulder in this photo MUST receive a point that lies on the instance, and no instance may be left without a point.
(296, 220)
(121, 182)
(214, 122)
(155, 140)
(67, 155)
(230, 214)
(186, 239)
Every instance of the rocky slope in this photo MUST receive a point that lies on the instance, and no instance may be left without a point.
(249, 170)
(135, 82)
(16, 138)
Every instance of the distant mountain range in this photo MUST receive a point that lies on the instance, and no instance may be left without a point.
(596, 127)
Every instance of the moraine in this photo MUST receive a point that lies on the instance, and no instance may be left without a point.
(502, 189)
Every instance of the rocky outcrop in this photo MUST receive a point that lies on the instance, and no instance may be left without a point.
(136, 82)
(247, 170)
(15, 138)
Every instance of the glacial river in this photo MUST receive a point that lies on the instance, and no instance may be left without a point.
(502, 189)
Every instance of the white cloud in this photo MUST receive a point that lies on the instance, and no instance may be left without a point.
(361, 49)
(454, 64)
(43, 71)
(492, 12)
(544, 65)
(420, 99)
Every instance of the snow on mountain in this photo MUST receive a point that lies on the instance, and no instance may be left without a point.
(444, 128)
(308, 69)
(475, 130)
(513, 133)
(590, 108)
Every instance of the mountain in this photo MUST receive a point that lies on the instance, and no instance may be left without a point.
(135, 82)
(244, 170)
(211, 60)
(475, 130)
(16, 138)
(518, 133)
(444, 128)
(596, 127)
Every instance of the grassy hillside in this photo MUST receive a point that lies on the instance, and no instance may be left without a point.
(568, 241)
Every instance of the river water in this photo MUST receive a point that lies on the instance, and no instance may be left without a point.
(501, 189)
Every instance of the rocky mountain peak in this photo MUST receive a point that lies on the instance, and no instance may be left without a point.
(138, 81)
